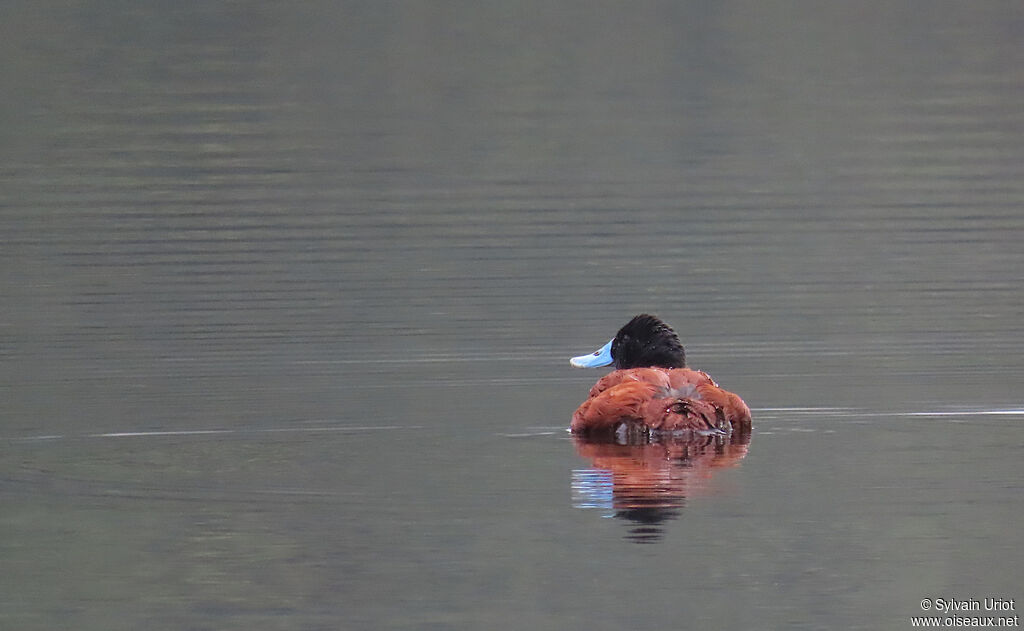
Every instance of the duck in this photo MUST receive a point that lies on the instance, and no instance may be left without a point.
(651, 389)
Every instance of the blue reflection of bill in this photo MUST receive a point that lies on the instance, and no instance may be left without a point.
(593, 488)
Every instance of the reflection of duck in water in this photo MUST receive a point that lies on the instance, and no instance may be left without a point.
(651, 388)
(647, 482)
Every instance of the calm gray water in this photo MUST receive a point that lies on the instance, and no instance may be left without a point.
(289, 293)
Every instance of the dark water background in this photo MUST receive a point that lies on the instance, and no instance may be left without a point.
(289, 292)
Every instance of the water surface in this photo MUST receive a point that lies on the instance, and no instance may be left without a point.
(289, 297)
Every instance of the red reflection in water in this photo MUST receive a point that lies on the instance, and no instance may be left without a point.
(647, 479)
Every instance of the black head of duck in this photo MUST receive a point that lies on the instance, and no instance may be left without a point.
(643, 342)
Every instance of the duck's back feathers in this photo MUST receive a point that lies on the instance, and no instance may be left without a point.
(655, 376)
(668, 399)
